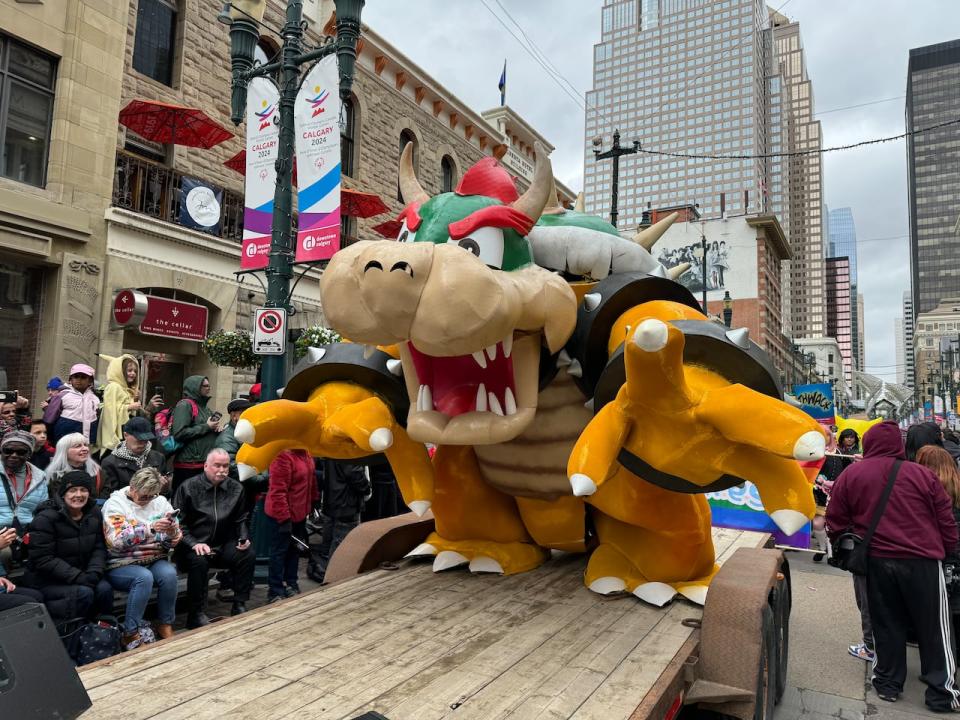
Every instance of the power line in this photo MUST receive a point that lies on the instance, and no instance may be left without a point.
(860, 105)
(801, 153)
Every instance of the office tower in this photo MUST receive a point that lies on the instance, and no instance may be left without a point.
(901, 350)
(908, 322)
(708, 78)
(842, 242)
(840, 308)
(859, 328)
(933, 169)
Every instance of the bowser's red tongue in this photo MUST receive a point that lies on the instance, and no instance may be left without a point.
(479, 382)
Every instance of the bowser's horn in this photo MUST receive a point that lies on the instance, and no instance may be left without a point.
(532, 202)
(580, 204)
(648, 238)
(410, 187)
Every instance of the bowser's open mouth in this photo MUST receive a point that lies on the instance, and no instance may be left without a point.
(486, 396)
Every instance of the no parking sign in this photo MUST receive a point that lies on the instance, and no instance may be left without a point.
(269, 331)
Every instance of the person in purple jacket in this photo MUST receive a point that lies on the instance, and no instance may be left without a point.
(905, 583)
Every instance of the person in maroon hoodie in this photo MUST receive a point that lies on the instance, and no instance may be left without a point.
(290, 497)
(905, 584)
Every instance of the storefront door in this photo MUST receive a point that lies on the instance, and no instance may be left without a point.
(164, 378)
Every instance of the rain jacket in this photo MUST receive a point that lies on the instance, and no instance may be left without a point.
(293, 487)
(918, 519)
(192, 432)
(116, 396)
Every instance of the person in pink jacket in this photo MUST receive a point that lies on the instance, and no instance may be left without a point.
(290, 498)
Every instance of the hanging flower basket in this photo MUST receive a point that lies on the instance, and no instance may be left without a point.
(231, 348)
(315, 336)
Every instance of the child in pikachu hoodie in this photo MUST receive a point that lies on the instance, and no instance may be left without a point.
(121, 399)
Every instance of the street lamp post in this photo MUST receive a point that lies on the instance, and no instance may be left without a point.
(614, 152)
(244, 17)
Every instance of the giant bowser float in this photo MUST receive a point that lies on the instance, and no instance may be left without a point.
(579, 398)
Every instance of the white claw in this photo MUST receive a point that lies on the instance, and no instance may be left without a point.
(448, 559)
(484, 564)
(381, 439)
(563, 358)
(418, 508)
(655, 593)
(422, 550)
(606, 585)
(591, 301)
(509, 402)
(582, 485)
(245, 472)
(789, 521)
(280, 392)
(695, 593)
(491, 350)
(495, 407)
(508, 345)
(575, 369)
(482, 398)
(809, 446)
(315, 354)
(651, 335)
(368, 350)
(481, 359)
(589, 404)
(394, 366)
(245, 432)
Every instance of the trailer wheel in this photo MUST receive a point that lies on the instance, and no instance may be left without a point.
(781, 600)
(767, 670)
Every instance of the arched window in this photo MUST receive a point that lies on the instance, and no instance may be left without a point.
(447, 172)
(347, 137)
(265, 53)
(407, 136)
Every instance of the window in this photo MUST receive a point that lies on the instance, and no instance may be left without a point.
(26, 107)
(347, 137)
(407, 137)
(447, 172)
(155, 41)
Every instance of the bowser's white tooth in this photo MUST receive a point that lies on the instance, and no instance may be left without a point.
(494, 404)
(482, 398)
(508, 345)
(481, 359)
(427, 398)
(420, 399)
(509, 402)
(492, 351)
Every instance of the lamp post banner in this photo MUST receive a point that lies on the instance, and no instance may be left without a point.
(317, 119)
(263, 143)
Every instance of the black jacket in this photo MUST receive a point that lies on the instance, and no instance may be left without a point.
(211, 514)
(115, 472)
(345, 488)
(952, 448)
(64, 551)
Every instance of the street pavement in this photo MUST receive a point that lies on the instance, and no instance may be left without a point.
(823, 680)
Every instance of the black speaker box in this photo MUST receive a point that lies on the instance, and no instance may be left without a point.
(37, 678)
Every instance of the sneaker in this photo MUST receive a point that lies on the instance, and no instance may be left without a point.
(291, 590)
(238, 608)
(198, 620)
(862, 652)
(818, 557)
(271, 599)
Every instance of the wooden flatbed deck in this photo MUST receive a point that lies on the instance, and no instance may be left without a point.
(410, 643)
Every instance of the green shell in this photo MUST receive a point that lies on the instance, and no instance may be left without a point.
(572, 218)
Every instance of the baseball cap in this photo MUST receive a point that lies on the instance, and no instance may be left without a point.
(238, 404)
(140, 428)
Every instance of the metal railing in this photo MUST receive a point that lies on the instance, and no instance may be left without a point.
(146, 187)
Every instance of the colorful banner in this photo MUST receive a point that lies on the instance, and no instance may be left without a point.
(817, 401)
(740, 508)
(318, 162)
(263, 143)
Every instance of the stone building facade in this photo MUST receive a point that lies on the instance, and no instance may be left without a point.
(62, 65)
(176, 52)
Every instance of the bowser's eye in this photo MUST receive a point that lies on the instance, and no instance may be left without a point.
(406, 235)
(486, 243)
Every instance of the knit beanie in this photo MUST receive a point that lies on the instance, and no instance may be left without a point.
(76, 478)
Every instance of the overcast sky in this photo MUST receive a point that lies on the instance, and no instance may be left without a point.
(856, 53)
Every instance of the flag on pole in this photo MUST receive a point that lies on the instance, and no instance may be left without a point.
(503, 85)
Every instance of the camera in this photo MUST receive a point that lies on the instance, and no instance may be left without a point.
(951, 577)
(8, 396)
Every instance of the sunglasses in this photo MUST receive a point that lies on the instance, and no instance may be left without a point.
(147, 498)
(22, 452)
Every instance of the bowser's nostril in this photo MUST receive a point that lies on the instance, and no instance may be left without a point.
(371, 265)
(405, 266)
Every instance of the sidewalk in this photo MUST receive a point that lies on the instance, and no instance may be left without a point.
(824, 681)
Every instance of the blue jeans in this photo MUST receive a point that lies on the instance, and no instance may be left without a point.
(284, 554)
(138, 581)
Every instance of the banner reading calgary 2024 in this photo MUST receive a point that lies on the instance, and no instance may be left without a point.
(318, 162)
(263, 141)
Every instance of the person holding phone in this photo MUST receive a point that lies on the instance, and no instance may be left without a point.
(134, 453)
(194, 428)
(121, 401)
(23, 488)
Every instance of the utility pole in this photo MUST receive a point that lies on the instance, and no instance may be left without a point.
(703, 267)
(614, 152)
(244, 34)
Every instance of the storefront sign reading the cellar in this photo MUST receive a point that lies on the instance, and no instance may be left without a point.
(161, 316)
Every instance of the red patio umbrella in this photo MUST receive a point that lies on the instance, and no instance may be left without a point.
(354, 203)
(239, 163)
(173, 124)
(389, 229)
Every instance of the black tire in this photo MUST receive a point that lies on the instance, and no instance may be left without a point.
(781, 600)
(767, 669)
